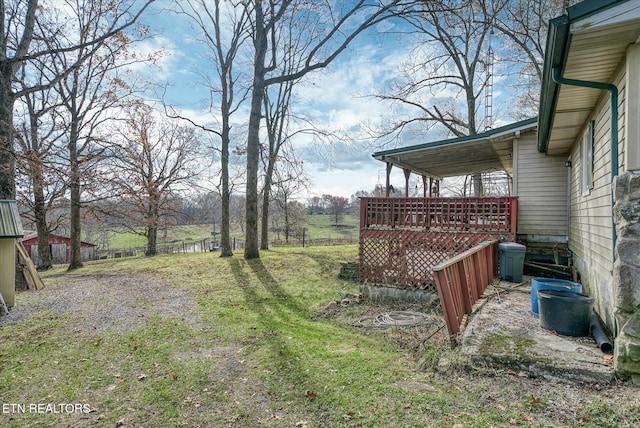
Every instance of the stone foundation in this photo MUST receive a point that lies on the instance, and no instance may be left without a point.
(626, 189)
(350, 270)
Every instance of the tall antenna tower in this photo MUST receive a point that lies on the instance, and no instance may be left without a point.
(488, 90)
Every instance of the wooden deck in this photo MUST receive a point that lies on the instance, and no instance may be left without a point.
(402, 239)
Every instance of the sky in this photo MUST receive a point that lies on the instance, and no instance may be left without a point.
(337, 98)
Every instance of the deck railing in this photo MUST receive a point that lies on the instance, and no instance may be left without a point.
(481, 214)
(462, 280)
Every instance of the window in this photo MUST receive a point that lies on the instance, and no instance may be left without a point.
(632, 124)
(586, 158)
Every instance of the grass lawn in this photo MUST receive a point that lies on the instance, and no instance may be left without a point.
(253, 344)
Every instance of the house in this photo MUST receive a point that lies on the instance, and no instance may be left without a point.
(590, 114)
(60, 247)
(574, 174)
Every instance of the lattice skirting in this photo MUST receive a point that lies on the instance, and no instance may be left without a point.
(405, 258)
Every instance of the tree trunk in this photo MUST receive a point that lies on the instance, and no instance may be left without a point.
(251, 250)
(264, 232)
(286, 220)
(478, 188)
(152, 240)
(40, 213)
(7, 153)
(266, 196)
(153, 219)
(74, 189)
(225, 229)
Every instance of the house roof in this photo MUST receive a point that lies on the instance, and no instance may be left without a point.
(488, 151)
(588, 43)
(10, 223)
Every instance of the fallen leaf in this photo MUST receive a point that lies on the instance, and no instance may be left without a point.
(175, 376)
(608, 357)
(142, 376)
(310, 394)
(348, 415)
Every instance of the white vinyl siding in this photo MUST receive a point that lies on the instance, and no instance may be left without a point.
(591, 229)
(541, 187)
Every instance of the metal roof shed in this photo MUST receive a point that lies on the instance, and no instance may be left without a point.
(10, 230)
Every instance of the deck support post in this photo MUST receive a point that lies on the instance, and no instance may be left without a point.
(388, 186)
(407, 174)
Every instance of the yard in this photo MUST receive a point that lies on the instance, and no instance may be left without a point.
(196, 340)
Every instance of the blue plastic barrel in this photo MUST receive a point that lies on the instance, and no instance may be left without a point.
(550, 284)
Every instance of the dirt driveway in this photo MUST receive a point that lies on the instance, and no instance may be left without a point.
(106, 301)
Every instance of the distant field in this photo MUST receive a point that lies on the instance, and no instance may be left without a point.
(318, 226)
(174, 234)
(323, 226)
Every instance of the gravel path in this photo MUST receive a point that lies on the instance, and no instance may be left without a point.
(119, 302)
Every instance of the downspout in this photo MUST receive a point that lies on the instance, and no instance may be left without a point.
(613, 89)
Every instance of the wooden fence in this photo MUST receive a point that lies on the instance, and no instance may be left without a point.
(207, 245)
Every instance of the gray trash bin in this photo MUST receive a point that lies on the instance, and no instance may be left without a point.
(511, 261)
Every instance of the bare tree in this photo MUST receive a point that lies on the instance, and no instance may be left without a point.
(39, 162)
(151, 159)
(443, 84)
(337, 25)
(24, 20)
(337, 208)
(289, 180)
(277, 120)
(223, 30)
(524, 23)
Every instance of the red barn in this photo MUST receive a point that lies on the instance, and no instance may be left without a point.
(60, 248)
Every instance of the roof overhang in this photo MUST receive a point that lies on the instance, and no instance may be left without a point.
(588, 44)
(489, 151)
(10, 223)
